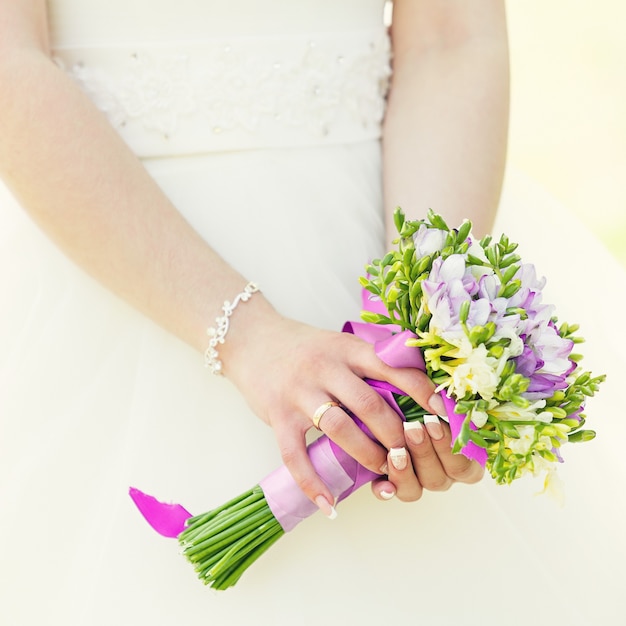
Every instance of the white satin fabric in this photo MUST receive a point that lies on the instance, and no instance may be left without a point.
(261, 120)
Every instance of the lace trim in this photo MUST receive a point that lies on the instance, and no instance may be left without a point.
(314, 86)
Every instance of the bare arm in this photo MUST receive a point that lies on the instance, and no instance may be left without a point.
(445, 132)
(92, 196)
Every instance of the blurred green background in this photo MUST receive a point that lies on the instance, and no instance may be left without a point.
(568, 107)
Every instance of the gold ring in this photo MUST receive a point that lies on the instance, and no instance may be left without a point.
(317, 416)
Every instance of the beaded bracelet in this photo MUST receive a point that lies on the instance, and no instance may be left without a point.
(217, 333)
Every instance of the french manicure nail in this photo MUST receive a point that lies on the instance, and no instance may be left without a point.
(414, 432)
(435, 402)
(384, 469)
(434, 427)
(326, 507)
(398, 458)
(387, 495)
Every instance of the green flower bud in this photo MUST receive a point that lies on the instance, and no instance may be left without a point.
(557, 396)
(511, 289)
(509, 430)
(509, 260)
(474, 260)
(389, 276)
(493, 255)
(464, 230)
(477, 439)
(570, 423)
(582, 435)
(496, 351)
(398, 218)
(549, 431)
(557, 412)
(548, 455)
(508, 275)
(376, 318)
(436, 220)
(407, 257)
(424, 264)
(393, 293)
(485, 241)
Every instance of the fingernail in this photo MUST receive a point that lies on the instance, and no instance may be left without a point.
(326, 507)
(414, 432)
(435, 402)
(384, 469)
(398, 458)
(434, 427)
(387, 495)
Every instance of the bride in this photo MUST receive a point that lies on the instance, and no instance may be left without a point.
(181, 154)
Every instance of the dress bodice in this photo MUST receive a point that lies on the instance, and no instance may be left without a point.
(190, 77)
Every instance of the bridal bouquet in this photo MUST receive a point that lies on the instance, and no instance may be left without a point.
(470, 314)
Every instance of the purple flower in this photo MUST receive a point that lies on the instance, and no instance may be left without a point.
(527, 363)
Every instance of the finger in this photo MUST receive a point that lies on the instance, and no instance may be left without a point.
(293, 451)
(402, 475)
(338, 426)
(428, 466)
(456, 466)
(413, 382)
(416, 384)
(383, 489)
(369, 406)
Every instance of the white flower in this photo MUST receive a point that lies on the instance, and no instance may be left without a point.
(428, 240)
(461, 342)
(510, 411)
(453, 268)
(476, 375)
(516, 347)
(524, 443)
(553, 486)
(479, 418)
(477, 251)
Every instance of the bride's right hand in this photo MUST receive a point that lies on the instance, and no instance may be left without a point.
(286, 370)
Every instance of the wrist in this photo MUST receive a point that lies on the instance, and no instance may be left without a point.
(217, 333)
(231, 336)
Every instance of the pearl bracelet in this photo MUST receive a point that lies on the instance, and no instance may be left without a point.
(217, 333)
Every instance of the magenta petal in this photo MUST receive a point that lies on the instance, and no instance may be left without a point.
(167, 519)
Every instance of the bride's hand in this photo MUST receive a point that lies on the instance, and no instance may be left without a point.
(286, 370)
(429, 465)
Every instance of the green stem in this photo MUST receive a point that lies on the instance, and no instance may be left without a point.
(231, 577)
(198, 523)
(225, 535)
(244, 546)
(225, 519)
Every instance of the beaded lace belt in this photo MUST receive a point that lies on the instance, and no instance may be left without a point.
(238, 94)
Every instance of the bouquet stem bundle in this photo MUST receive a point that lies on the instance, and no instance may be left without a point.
(223, 543)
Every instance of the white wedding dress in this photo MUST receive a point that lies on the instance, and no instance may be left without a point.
(261, 121)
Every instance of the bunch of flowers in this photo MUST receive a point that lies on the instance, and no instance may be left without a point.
(512, 383)
(470, 314)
